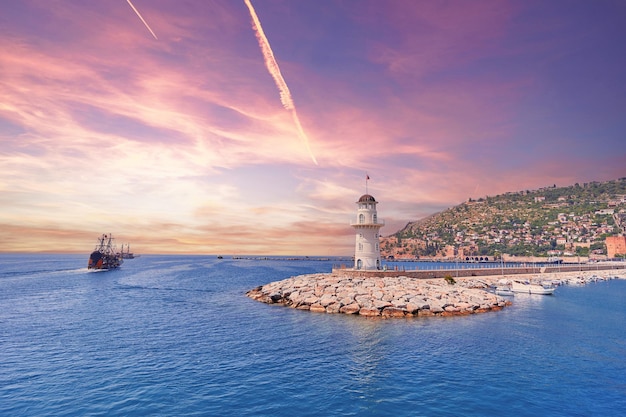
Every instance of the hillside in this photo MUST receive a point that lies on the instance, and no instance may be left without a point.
(551, 221)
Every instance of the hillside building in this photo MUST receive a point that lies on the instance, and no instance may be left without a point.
(615, 245)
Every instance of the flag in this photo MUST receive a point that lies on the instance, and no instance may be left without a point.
(367, 177)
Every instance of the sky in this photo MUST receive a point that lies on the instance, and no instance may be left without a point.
(186, 126)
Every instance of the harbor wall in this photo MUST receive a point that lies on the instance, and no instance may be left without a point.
(474, 272)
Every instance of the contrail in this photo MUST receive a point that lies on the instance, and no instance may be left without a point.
(144, 22)
(274, 70)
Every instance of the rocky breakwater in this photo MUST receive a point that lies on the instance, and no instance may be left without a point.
(380, 296)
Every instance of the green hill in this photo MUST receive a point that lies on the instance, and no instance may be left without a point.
(550, 221)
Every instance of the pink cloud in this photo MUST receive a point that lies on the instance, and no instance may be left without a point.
(187, 136)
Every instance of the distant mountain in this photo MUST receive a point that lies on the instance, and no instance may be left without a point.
(550, 221)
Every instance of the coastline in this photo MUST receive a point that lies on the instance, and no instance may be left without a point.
(380, 295)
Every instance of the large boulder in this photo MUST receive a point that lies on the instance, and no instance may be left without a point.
(393, 312)
(353, 308)
(380, 304)
(333, 308)
(412, 308)
(369, 311)
(328, 299)
(436, 309)
(317, 308)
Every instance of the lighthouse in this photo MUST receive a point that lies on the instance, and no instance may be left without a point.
(367, 227)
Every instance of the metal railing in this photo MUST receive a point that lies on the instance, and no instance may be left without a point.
(378, 222)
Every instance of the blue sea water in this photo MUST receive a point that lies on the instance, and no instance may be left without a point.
(176, 336)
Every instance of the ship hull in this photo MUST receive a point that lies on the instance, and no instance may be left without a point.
(105, 256)
(98, 260)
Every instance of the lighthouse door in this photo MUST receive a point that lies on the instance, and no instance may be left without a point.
(359, 264)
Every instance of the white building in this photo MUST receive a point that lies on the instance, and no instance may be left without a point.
(367, 227)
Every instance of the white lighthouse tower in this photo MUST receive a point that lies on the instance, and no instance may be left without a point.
(367, 226)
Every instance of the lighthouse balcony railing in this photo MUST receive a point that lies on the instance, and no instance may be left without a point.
(377, 222)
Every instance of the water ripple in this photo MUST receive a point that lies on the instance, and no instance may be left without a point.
(176, 336)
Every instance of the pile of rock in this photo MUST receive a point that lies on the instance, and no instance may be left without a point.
(379, 296)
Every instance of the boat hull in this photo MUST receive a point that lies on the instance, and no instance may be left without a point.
(504, 291)
(527, 288)
(100, 261)
(105, 256)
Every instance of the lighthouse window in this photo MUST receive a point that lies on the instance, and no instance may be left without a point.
(375, 218)
(360, 246)
(361, 218)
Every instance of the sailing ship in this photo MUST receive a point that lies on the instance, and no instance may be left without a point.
(105, 256)
(127, 254)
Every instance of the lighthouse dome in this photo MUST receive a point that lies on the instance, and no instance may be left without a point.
(366, 198)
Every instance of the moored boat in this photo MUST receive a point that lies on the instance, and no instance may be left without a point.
(531, 288)
(104, 256)
(504, 290)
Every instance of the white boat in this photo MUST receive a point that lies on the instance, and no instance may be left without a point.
(504, 290)
(531, 288)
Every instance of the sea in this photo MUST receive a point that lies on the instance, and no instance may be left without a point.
(170, 335)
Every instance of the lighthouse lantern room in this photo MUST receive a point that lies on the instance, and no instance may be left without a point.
(367, 227)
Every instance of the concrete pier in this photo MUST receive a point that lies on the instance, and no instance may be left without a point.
(479, 272)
